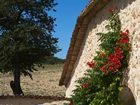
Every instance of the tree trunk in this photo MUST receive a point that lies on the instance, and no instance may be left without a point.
(15, 85)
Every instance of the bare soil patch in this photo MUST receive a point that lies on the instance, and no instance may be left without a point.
(32, 100)
(45, 83)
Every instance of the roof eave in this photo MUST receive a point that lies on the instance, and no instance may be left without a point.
(77, 38)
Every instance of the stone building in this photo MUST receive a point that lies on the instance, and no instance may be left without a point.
(84, 42)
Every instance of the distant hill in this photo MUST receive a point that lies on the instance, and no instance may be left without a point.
(53, 60)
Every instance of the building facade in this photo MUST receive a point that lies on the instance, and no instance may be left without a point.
(84, 42)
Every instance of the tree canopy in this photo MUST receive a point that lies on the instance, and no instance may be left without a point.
(26, 30)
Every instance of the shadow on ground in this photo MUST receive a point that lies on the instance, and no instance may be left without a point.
(22, 101)
(29, 100)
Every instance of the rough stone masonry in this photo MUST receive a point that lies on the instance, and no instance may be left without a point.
(129, 12)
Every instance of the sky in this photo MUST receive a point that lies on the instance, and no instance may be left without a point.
(66, 15)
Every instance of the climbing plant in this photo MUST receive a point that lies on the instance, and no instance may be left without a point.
(101, 84)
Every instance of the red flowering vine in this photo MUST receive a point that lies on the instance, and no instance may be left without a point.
(85, 85)
(102, 54)
(103, 68)
(112, 59)
(124, 37)
(70, 102)
(91, 64)
(124, 33)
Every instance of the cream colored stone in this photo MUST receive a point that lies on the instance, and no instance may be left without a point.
(130, 18)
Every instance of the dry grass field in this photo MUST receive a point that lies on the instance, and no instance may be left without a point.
(45, 82)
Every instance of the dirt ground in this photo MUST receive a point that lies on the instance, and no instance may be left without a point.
(45, 83)
(31, 101)
(21, 101)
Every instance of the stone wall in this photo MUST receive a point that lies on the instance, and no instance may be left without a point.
(129, 12)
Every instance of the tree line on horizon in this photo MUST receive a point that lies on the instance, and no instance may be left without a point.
(53, 60)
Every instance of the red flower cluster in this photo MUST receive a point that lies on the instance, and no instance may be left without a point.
(114, 59)
(85, 85)
(70, 102)
(102, 54)
(103, 68)
(91, 64)
(113, 62)
(124, 33)
(124, 37)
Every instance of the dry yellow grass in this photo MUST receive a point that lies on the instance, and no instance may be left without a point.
(44, 83)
